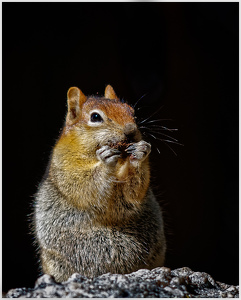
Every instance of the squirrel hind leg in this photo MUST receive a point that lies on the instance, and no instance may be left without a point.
(56, 265)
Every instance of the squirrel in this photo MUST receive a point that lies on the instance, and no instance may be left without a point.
(94, 210)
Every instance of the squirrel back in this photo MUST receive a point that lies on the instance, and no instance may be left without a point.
(95, 212)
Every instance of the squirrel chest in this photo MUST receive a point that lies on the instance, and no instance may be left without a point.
(94, 211)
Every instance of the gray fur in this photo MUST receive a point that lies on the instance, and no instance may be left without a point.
(71, 243)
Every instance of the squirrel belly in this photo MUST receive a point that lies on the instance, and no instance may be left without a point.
(95, 212)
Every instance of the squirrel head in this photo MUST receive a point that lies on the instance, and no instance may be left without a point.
(101, 120)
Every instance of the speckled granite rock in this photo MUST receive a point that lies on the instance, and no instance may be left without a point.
(157, 283)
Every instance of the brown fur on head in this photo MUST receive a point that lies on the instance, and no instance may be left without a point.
(79, 107)
(114, 122)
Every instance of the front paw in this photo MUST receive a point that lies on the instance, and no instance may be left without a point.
(108, 155)
(139, 151)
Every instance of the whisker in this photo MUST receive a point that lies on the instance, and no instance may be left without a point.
(171, 129)
(170, 142)
(159, 128)
(164, 141)
(156, 138)
(170, 148)
(144, 127)
(163, 127)
(139, 100)
(157, 131)
(143, 121)
(170, 137)
(157, 120)
(142, 107)
(152, 135)
(158, 150)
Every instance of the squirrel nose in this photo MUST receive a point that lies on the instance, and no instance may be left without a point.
(130, 128)
(130, 131)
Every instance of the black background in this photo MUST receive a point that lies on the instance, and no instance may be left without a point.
(185, 57)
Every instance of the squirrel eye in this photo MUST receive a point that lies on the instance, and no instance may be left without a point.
(95, 117)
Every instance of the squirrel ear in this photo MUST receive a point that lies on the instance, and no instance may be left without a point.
(75, 100)
(110, 93)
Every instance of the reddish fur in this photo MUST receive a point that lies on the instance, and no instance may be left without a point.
(121, 113)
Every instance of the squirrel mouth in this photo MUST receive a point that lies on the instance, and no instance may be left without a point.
(121, 146)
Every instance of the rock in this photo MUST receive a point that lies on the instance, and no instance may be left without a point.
(157, 283)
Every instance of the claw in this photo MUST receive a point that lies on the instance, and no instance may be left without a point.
(130, 148)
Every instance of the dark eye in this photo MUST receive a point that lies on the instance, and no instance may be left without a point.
(95, 117)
